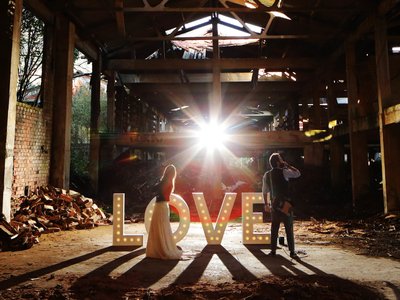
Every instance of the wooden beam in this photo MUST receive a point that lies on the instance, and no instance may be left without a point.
(62, 107)
(10, 28)
(119, 15)
(198, 9)
(94, 125)
(337, 165)
(111, 102)
(215, 100)
(358, 140)
(87, 47)
(232, 87)
(392, 115)
(389, 134)
(249, 37)
(40, 10)
(246, 141)
(208, 64)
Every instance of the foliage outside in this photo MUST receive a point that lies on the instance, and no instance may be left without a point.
(80, 132)
(31, 58)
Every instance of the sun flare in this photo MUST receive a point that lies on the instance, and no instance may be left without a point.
(211, 136)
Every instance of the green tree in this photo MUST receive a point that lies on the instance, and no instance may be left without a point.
(31, 57)
(80, 131)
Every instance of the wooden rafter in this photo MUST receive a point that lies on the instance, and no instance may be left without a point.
(205, 9)
(119, 16)
(224, 64)
(201, 88)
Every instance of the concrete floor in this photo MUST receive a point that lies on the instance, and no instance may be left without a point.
(87, 256)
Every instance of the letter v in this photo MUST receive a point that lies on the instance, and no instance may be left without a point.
(214, 235)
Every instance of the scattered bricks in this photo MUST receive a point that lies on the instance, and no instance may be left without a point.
(49, 209)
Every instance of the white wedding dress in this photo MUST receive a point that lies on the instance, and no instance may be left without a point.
(160, 243)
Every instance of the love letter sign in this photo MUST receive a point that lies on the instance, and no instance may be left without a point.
(213, 233)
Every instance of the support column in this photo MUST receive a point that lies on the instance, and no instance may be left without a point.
(62, 109)
(296, 114)
(389, 134)
(332, 103)
(216, 106)
(111, 102)
(338, 174)
(316, 109)
(10, 31)
(336, 145)
(358, 140)
(94, 154)
(216, 101)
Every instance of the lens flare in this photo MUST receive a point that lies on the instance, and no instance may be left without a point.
(211, 136)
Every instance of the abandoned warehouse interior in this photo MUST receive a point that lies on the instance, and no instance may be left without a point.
(316, 80)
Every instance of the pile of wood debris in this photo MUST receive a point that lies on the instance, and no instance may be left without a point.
(46, 210)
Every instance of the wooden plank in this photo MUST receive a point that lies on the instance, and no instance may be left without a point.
(270, 64)
(10, 17)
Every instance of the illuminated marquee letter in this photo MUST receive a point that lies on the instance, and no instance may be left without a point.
(183, 211)
(214, 235)
(249, 219)
(119, 238)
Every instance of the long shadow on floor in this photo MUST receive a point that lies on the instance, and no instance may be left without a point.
(394, 288)
(279, 265)
(5, 284)
(100, 284)
(195, 270)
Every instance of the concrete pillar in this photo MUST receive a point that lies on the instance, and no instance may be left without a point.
(62, 104)
(10, 28)
(94, 153)
(358, 140)
(389, 134)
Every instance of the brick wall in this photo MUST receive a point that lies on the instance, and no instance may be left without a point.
(31, 150)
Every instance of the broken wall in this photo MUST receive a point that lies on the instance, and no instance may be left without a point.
(32, 149)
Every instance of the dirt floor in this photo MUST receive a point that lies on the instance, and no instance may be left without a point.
(338, 260)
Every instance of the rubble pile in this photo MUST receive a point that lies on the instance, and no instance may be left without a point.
(48, 210)
(378, 235)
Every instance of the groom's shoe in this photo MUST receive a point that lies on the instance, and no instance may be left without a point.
(294, 255)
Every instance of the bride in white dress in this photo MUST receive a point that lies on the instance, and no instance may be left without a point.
(160, 243)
